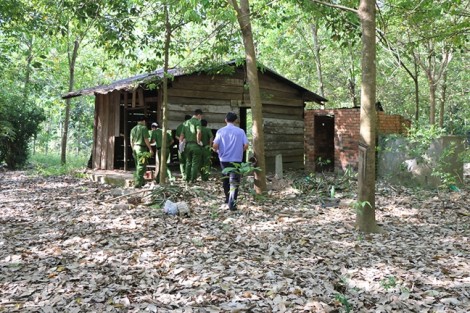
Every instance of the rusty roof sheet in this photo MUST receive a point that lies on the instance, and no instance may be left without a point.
(133, 82)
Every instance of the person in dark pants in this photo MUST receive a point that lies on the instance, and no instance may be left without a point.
(191, 135)
(181, 154)
(230, 142)
(207, 139)
(140, 144)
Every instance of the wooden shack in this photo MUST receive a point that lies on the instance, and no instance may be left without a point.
(120, 104)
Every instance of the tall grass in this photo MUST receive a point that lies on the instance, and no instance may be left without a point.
(49, 165)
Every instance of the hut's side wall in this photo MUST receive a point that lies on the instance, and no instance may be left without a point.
(107, 115)
(283, 112)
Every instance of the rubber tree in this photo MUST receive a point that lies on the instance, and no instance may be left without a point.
(365, 217)
(242, 9)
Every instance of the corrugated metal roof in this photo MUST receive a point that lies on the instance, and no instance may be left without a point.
(132, 82)
(123, 84)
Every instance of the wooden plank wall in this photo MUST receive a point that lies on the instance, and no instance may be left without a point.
(215, 96)
(282, 110)
(96, 153)
(106, 128)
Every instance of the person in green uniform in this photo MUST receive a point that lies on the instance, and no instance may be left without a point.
(152, 161)
(156, 136)
(206, 138)
(191, 135)
(140, 144)
(181, 154)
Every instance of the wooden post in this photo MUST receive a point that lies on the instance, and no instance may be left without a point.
(278, 169)
(126, 143)
(134, 96)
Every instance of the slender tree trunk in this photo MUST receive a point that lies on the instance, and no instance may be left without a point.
(365, 218)
(434, 72)
(352, 80)
(316, 47)
(27, 77)
(443, 99)
(432, 99)
(27, 80)
(72, 60)
(243, 16)
(416, 83)
(163, 160)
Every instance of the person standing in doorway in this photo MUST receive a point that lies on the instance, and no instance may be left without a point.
(181, 154)
(156, 136)
(191, 135)
(230, 142)
(140, 144)
(207, 139)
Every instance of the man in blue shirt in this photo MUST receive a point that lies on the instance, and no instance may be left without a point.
(230, 142)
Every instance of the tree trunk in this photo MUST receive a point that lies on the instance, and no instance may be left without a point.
(163, 160)
(243, 16)
(432, 99)
(316, 47)
(27, 77)
(443, 99)
(434, 72)
(72, 60)
(352, 78)
(365, 218)
(416, 83)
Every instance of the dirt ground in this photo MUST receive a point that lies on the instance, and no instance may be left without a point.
(71, 245)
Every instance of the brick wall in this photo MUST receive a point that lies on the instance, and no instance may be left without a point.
(346, 137)
(392, 124)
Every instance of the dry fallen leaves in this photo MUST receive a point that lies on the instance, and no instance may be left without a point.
(64, 248)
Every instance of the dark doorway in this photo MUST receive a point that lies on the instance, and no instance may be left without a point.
(131, 117)
(324, 130)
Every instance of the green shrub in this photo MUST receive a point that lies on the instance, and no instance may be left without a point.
(20, 123)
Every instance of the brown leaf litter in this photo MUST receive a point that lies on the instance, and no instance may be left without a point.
(65, 248)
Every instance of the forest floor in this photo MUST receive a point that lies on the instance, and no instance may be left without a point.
(71, 245)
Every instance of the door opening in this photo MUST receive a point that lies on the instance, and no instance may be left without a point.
(324, 130)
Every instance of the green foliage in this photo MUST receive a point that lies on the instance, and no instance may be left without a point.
(343, 300)
(420, 138)
(21, 123)
(214, 214)
(389, 282)
(417, 145)
(447, 180)
(50, 165)
(144, 157)
(326, 185)
(323, 162)
(243, 169)
(359, 206)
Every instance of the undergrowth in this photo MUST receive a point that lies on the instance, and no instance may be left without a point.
(49, 165)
